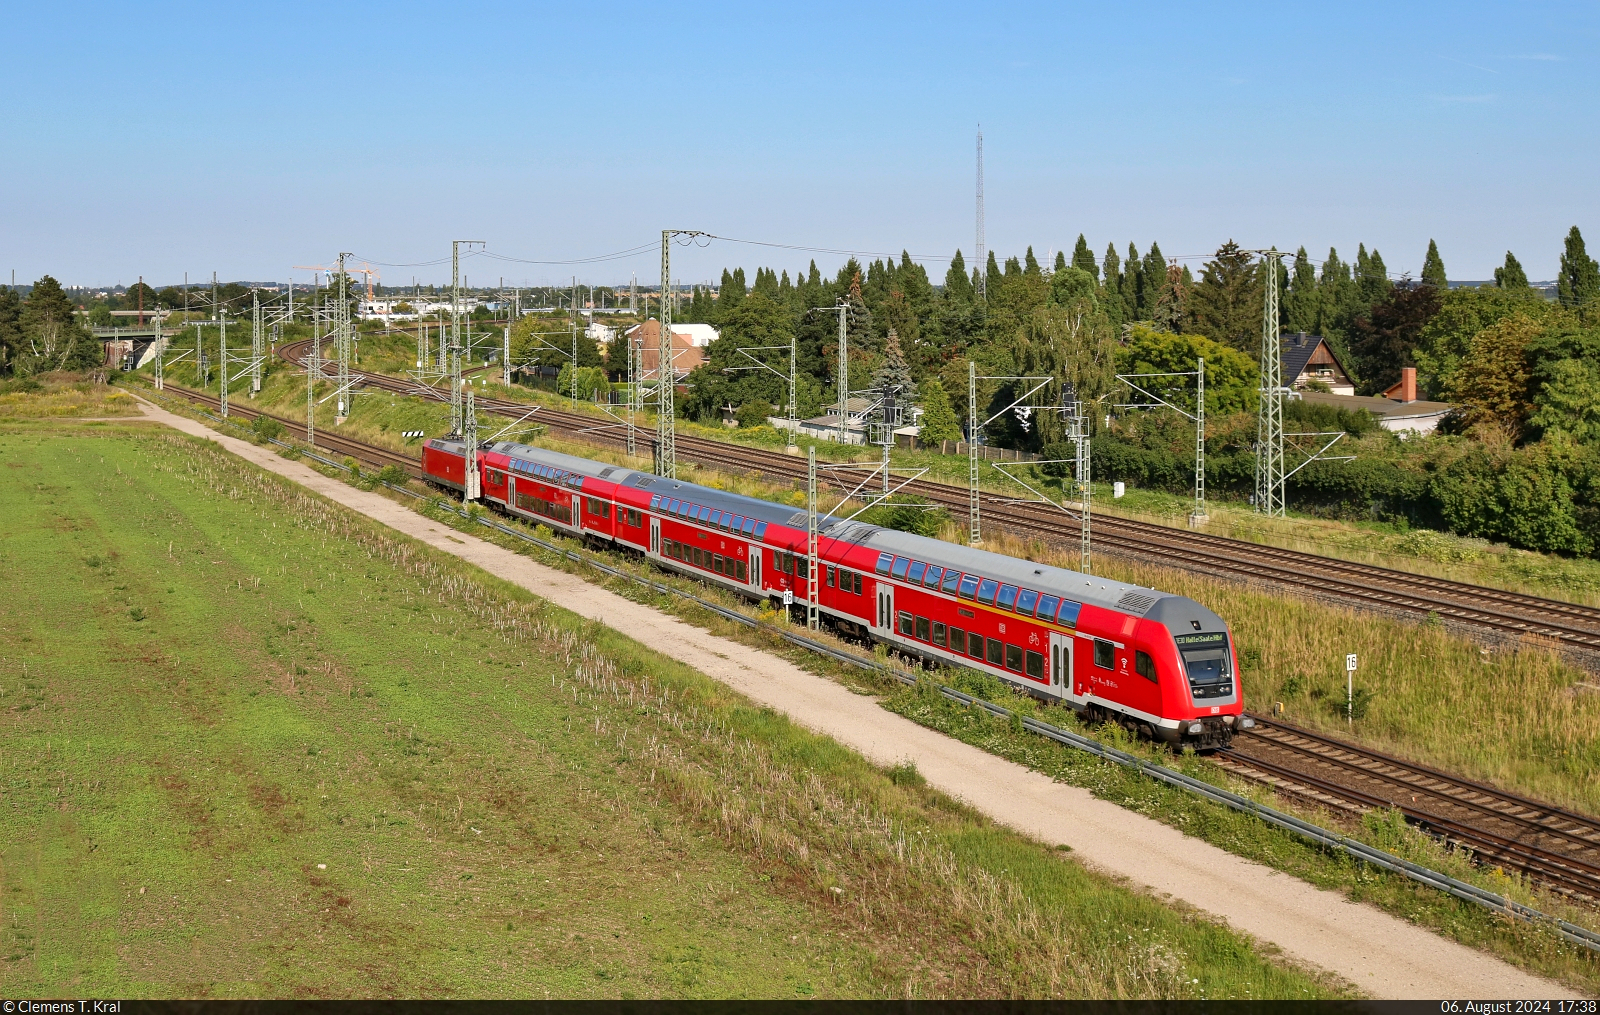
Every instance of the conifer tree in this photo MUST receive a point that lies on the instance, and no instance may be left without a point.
(1061, 260)
(1031, 264)
(1226, 305)
(992, 279)
(1112, 286)
(1152, 279)
(1578, 285)
(10, 329)
(1131, 283)
(1433, 268)
(1511, 276)
(956, 283)
(893, 374)
(1300, 297)
(1083, 257)
(939, 421)
(1373, 282)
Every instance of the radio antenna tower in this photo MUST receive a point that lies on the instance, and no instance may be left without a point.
(979, 263)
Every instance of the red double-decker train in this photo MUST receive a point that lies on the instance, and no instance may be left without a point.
(1159, 663)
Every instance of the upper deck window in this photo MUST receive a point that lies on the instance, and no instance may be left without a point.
(931, 580)
(986, 591)
(1007, 598)
(1027, 597)
(900, 565)
(761, 530)
(915, 573)
(884, 560)
(969, 586)
(951, 580)
(749, 526)
(1068, 617)
(1047, 607)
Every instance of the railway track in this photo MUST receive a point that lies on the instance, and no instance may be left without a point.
(1546, 843)
(1504, 614)
(1541, 841)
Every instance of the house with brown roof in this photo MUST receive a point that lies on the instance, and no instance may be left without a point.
(1309, 359)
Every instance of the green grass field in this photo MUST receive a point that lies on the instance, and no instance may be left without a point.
(256, 746)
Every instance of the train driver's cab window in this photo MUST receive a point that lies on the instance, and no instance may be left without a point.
(1144, 665)
(1105, 654)
(969, 586)
(987, 590)
(900, 565)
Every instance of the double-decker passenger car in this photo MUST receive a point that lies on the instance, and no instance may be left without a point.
(1160, 663)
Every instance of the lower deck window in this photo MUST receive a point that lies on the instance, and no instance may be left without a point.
(922, 629)
(997, 652)
(549, 509)
(938, 629)
(958, 639)
(1034, 663)
(975, 645)
(904, 623)
(1014, 658)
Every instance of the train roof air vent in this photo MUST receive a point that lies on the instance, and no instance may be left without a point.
(1136, 602)
(797, 519)
(608, 470)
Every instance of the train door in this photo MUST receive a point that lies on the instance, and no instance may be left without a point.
(886, 607)
(655, 536)
(755, 564)
(1061, 672)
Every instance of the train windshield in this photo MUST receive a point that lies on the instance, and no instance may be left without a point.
(1208, 663)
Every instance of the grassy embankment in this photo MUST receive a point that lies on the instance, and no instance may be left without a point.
(224, 780)
(1421, 551)
(61, 395)
(1533, 948)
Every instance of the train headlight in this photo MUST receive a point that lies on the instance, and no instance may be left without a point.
(1247, 723)
(1195, 727)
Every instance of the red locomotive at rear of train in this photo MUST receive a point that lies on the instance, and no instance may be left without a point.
(1160, 663)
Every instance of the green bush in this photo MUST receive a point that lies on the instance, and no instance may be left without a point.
(266, 428)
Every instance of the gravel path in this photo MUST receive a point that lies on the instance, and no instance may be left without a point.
(1380, 954)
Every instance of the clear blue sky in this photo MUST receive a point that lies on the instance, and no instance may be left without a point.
(162, 138)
